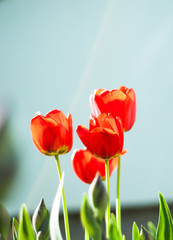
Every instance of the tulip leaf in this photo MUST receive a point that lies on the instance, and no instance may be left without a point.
(15, 229)
(54, 216)
(165, 224)
(152, 229)
(4, 222)
(40, 221)
(25, 231)
(98, 197)
(89, 221)
(113, 230)
(135, 233)
(145, 234)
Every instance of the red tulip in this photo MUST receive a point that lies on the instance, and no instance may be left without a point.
(104, 138)
(86, 165)
(121, 103)
(52, 134)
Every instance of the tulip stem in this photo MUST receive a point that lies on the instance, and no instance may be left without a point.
(108, 192)
(67, 230)
(118, 205)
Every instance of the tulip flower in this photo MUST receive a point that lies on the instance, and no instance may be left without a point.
(86, 165)
(119, 102)
(52, 134)
(104, 138)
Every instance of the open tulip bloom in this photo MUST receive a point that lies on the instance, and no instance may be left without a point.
(119, 102)
(52, 134)
(113, 113)
(104, 138)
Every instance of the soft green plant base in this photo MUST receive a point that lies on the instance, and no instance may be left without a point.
(92, 214)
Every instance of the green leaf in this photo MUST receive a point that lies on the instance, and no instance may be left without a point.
(40, 221)
(54, 216)
(135, 233)
(165, 224)
(15, 229)
(113, 231)
(25, 231)
(145, 234)
(89, 222)
(152, 229)
(4, 222)
(98, 197)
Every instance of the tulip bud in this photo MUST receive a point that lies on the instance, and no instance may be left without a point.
(40, 221)
(98, 197)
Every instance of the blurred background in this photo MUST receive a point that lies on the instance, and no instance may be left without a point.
(54, 54)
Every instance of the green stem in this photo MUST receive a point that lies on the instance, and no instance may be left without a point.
(118, 205)
(67, 230)
(108, 192)
(87, 237)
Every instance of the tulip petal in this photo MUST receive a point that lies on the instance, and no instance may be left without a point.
(86, 165)
(83, 133)
(103, 142)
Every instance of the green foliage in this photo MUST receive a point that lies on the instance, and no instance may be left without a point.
(25, 231)
(165, 224)
(4, 222)
(91, 216)
(135, 232)
(164, 229)
(93, 212)
(114, 232)
(89, 221)
(144, 234)
(152, 229)
(15, 229)
(40, 221)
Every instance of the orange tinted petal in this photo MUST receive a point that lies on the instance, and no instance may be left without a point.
(109, 96)
(99, 91)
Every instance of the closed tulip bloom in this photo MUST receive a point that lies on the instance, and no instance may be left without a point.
(86, 165)
(119, 102)
(104, 138)
(52, 134)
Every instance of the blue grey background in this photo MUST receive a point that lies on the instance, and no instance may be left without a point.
(53, 54)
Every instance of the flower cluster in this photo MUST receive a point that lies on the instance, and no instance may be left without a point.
(113, 112)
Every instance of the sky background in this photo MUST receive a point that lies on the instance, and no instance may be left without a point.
(53, 55)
